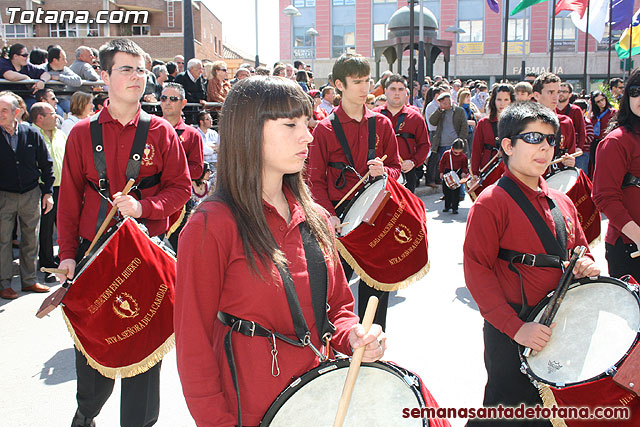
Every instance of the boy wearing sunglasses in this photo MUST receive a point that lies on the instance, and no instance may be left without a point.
(507, 268)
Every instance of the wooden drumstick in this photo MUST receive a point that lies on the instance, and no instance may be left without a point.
(346, 196)
(53, 270)
(482, 169)
(635, 254)
(354, 367)
(573, 156)
(108, 218)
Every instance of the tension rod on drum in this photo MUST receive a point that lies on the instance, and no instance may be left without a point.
(346, 196)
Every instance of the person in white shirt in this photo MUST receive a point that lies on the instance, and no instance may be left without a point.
(328, 93)
(210, 138)
(81, 107)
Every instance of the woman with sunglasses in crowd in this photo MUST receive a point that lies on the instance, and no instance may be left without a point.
(242, 255)
(500, 236)
(616, 182)
(218, 86)
(601, 114)
(15, 66)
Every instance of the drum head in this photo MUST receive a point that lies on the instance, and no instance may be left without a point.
(563, 180)
(379, 396)
(360, 204)
(596, 325)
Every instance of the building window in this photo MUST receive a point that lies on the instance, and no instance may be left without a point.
(472, 31)
(434, 7)
(215, 45)
(304, 3)
(344, 2)
(385, 1)
(565, 34)
(471, 20)
(380, 32)
(302, 43)
(615, 38)
(63, 30)
(14, 31)
(344, 39)
(140, 30)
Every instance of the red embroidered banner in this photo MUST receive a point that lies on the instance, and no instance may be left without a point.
(119, 309)
(392, 252)
(588, 214)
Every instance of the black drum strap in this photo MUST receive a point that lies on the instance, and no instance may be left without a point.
(318, 281)
(496, 139)
(100, 162)
(553, 245)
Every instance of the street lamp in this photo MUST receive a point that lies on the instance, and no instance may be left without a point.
(455, 30)
(311, 32)
(291, 11)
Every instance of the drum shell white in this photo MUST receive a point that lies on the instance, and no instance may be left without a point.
(563, 180)
(360, 204)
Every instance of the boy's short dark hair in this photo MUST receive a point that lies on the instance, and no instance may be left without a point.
(458, 144)
(352, 65)
(582, 103)
(543, 79)
(171, 67)
(108, 51)
(395, 78)
(615, 82)
(54, 53)
(515, 118)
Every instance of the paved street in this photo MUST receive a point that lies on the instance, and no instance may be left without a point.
(434, 329)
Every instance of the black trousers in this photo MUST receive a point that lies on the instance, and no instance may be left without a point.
(451, 197)
(506, 385)
(620, 261)
(139, 398)
(432, 169)
(412, 180)
(364, 292)
(47, 221)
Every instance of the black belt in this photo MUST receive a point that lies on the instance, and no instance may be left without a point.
(630, 181)
(146, 182)
(253, 329)
(531, 260)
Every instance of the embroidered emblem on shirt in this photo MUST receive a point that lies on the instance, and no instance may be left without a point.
(401, 126)
(149, 152)
(570, 229)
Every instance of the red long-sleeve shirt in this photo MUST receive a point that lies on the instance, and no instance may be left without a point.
(325, 148)
(414, 149)
(568, 132)
(483, 135)
(192, 144)
(458, 161)
(214, 275)
(496, 221)
(80, 203)
(575, 114)
(618, 154)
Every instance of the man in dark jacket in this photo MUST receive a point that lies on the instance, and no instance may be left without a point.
(193, 82)
(24, 159)
(451, 123)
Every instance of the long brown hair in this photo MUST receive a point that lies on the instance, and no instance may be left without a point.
(249, 104)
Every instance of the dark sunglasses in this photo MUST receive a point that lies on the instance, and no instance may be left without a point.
(170, 98)
(634, 91)
(222, 69)
(536, 138)
(24, 55)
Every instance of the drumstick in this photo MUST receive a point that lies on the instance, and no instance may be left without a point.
(346, 196)
(482, 169)
(354, 367)
(347, 223)
(635, 254)
(53, 270)
(573, 156)
(110, 215)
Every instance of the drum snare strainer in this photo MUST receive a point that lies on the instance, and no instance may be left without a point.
(597, 324)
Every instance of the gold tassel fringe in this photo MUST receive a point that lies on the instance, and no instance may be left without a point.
(387, 287)
(124, 371)
(549, 400)
(595, 242)
(176, 224)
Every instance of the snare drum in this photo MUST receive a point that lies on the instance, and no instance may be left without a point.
(451, 180)
(381, 393)
(385, 236)
(597, 325)
(577, 186)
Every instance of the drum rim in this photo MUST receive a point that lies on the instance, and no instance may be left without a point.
(358, 194)
(305, 378)
(556, 172)
(540, 306)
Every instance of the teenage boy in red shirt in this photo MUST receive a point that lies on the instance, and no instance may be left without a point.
(331, 170)
(498, 224)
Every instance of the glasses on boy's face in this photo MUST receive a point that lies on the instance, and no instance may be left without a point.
(634, 91)
(127, 70)
(536, 138)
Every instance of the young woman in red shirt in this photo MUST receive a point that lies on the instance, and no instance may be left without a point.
(242, 252)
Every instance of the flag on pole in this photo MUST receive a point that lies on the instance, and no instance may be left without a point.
(578, 6)
(598, 18)
(493, 5)
(625, 45)
(621, 13)
(525, 4)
